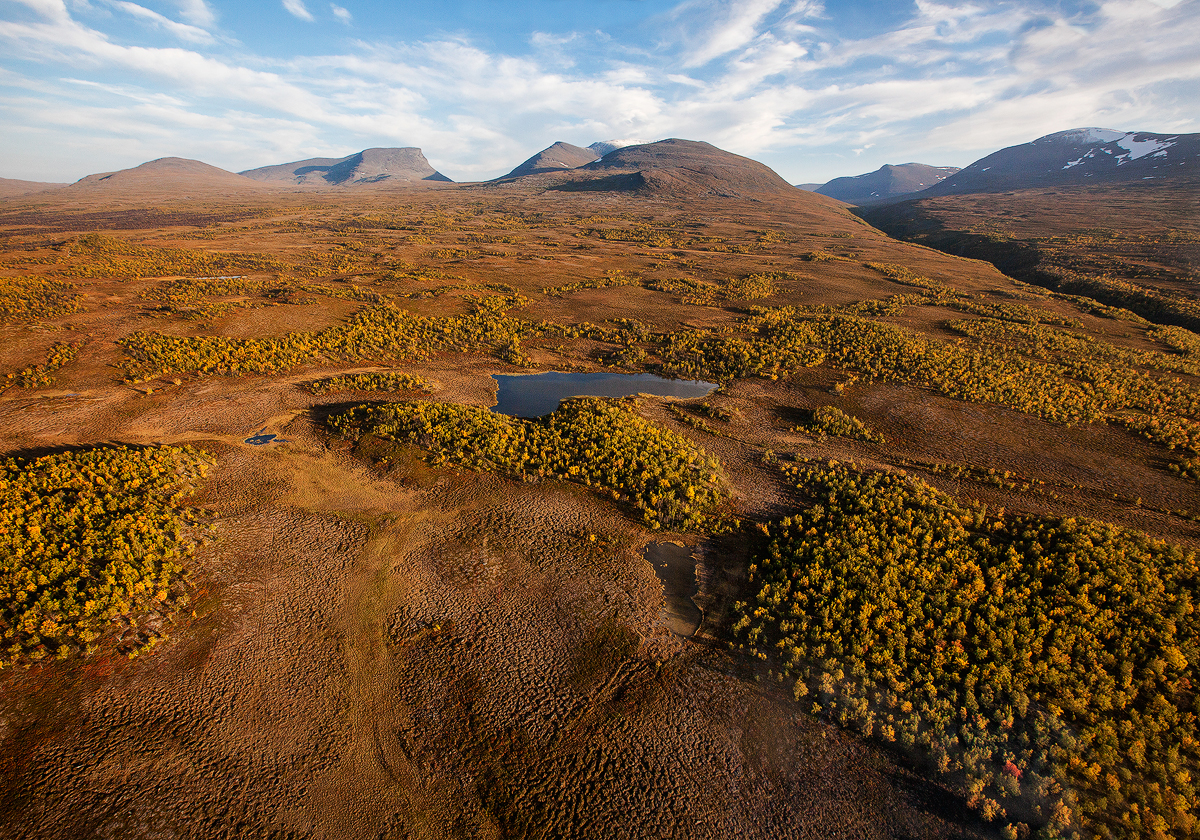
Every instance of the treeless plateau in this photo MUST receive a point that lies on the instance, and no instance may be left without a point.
(379, 647)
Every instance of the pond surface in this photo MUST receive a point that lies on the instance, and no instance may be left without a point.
(533, 395)
(676, 569)
(263, 437)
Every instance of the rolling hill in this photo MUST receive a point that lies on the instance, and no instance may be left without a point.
(166, 175)
(12, 187)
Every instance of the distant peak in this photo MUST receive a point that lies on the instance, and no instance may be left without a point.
(1084, 136)
(603, 147)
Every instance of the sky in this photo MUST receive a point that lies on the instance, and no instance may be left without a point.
(814, 89)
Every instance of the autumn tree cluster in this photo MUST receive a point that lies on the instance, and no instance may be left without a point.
(603, 444)
(1047, 666)
(29, 298)
(386, 381)
(91, 542)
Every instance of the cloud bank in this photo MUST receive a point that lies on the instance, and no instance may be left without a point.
(89, 87)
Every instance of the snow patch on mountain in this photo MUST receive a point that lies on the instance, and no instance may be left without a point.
(1079, 160)
(1140, 148)
(1083, 136)
(603, 147)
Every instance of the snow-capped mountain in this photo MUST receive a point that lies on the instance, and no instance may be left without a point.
(1077, 156)
(603, 147)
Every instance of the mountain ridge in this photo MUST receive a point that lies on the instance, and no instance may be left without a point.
(679, 167)
(14, 187)
(1076, 156)
(886, 181)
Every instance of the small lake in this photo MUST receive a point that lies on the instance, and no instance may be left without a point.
(533, 395)
(262, 438)
(676, 569)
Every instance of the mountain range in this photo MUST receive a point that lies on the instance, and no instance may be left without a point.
(885, 182)
(679, 167)
(1077, 156)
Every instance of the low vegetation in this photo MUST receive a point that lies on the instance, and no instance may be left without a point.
(32, 298)
(611, 279)
(92, 544)
(39, 376)
(382, 332)
(1047, 666)
(830, 420)
(99, 255)
(388, 381)
(1020, 362)
(602, 444)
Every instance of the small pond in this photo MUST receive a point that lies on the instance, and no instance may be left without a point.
(533, 395)
(264, 437)
(676, 570)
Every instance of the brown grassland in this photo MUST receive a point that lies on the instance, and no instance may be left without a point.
(365, 630)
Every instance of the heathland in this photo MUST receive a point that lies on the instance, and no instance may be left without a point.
(944, 516)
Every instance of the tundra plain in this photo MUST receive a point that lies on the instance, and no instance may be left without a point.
(373, 643)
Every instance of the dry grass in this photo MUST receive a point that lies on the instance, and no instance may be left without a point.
(381, 648)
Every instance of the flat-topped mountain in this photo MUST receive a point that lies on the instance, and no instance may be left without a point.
(370, 166)
(886, 181)
(170, 174)
(553, 158)
(1078, 156)
(684, 168)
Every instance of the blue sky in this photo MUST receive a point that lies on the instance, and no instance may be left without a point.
(814, 89)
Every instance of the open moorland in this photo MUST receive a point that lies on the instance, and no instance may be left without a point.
(943, 517)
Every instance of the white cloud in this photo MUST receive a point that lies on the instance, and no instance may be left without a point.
(296, 8)
(725, 26)
(767, 78)
(341, 14)
(197, 12)
(180, 30)
(53, 10)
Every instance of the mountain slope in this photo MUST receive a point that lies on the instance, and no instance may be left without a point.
(558, 156)
(12, 187)
(885, 182)
(679, 168)
(1078, 156)
(370, 166)
(170, 174)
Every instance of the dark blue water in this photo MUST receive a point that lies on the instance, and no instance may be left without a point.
(264, 437)
(536, 394)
